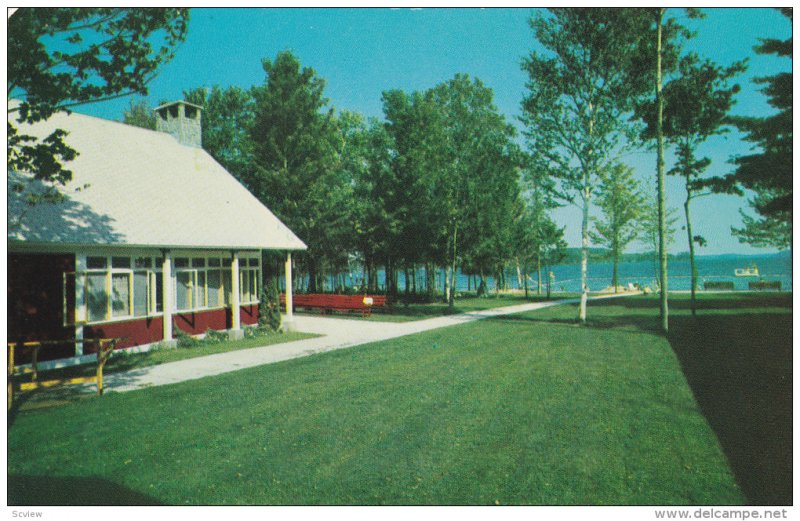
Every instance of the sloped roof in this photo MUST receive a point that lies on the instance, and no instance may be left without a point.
(138, 187)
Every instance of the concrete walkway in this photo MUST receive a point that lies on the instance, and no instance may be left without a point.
(337, 333)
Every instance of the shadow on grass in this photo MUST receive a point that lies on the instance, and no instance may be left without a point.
(736, 355)
(740, 370)
(71, 491)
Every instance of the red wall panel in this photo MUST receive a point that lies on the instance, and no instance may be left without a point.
(249, 315)
(137, 332)
(196, 323)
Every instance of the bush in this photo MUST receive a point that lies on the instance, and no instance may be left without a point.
(269, 310)
(186, 340)
(215, 337)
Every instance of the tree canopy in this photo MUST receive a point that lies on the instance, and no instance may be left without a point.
(64, 57)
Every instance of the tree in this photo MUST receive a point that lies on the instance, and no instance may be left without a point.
(578, 98)
(652, 231)
(768, 171)
(696, 106)
(477, 183)
(665, 48)
(63, 57)
(139, 114)
(295, 141)
(228, 117)
(622, 203)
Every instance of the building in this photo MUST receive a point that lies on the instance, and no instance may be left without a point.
(152, 234)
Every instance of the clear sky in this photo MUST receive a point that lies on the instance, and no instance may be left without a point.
(363, 52)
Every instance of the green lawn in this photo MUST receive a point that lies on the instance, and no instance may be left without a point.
(529, 409)
(125, 361)
(407, 312)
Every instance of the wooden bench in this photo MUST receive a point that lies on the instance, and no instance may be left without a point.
(105, 348)
(719, 285)
(762, 285)
(328, 303)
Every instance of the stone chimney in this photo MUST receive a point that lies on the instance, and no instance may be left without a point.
(181, 120)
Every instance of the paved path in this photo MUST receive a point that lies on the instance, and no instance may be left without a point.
(337, 333)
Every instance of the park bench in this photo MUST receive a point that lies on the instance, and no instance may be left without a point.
(719, 285)
(328, 303)
(761, 285)
(105, 348)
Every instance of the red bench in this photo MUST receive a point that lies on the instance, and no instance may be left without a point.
(327, 303)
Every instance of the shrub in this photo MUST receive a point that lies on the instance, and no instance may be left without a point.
(186, 340)
(215, 337)
(269, 310)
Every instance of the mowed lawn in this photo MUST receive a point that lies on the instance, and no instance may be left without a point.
(529, 409)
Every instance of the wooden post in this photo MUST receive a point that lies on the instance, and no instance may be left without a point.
(166, 295)
(10, 376)
(289, 319)
(34, 362)
(236, 323)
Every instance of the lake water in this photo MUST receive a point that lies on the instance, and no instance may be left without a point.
(711, 268)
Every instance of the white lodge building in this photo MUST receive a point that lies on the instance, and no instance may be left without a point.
(153, 235)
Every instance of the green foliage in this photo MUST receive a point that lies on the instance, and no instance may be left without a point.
(185, 340)
(226, 124)
(213, 336)
(622, 203)
(269, 311)
(63, 57)
(139, 114)
(768, 171)
(581, 90)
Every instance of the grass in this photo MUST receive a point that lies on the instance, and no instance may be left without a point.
(124, 361)
(408, 312)
(526, 409)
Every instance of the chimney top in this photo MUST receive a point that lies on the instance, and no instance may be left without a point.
(181, 120)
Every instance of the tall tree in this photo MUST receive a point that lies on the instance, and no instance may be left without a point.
(696, 105)
(63, 57)
(658, 56)
(479, 182)
(768, 170)
(139, 114)
(579, 94)
(295, 141)
(228, 117)
(622, 203)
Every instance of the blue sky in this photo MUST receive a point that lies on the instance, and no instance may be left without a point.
(363, 52)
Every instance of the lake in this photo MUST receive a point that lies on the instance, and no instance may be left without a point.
(711, 268)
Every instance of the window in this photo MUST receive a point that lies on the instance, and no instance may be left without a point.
(96, 297)
(183, 290)
(121, 294)
(141, 293)
(112, 288)
(249, 275)
(214, 280)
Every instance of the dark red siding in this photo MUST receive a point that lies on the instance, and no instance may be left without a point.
(36, 302)
(249, 315)
(136, 332)
(198, 322)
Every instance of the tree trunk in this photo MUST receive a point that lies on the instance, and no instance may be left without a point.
(525, 280)
(584, 256)
(615, 272)
(538, 274)
(662, 197)
(446, 284)
(452, 297)
(691, 252)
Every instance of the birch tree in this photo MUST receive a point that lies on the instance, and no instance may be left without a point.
(580, 92)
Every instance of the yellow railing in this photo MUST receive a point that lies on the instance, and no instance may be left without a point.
(106, 347)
